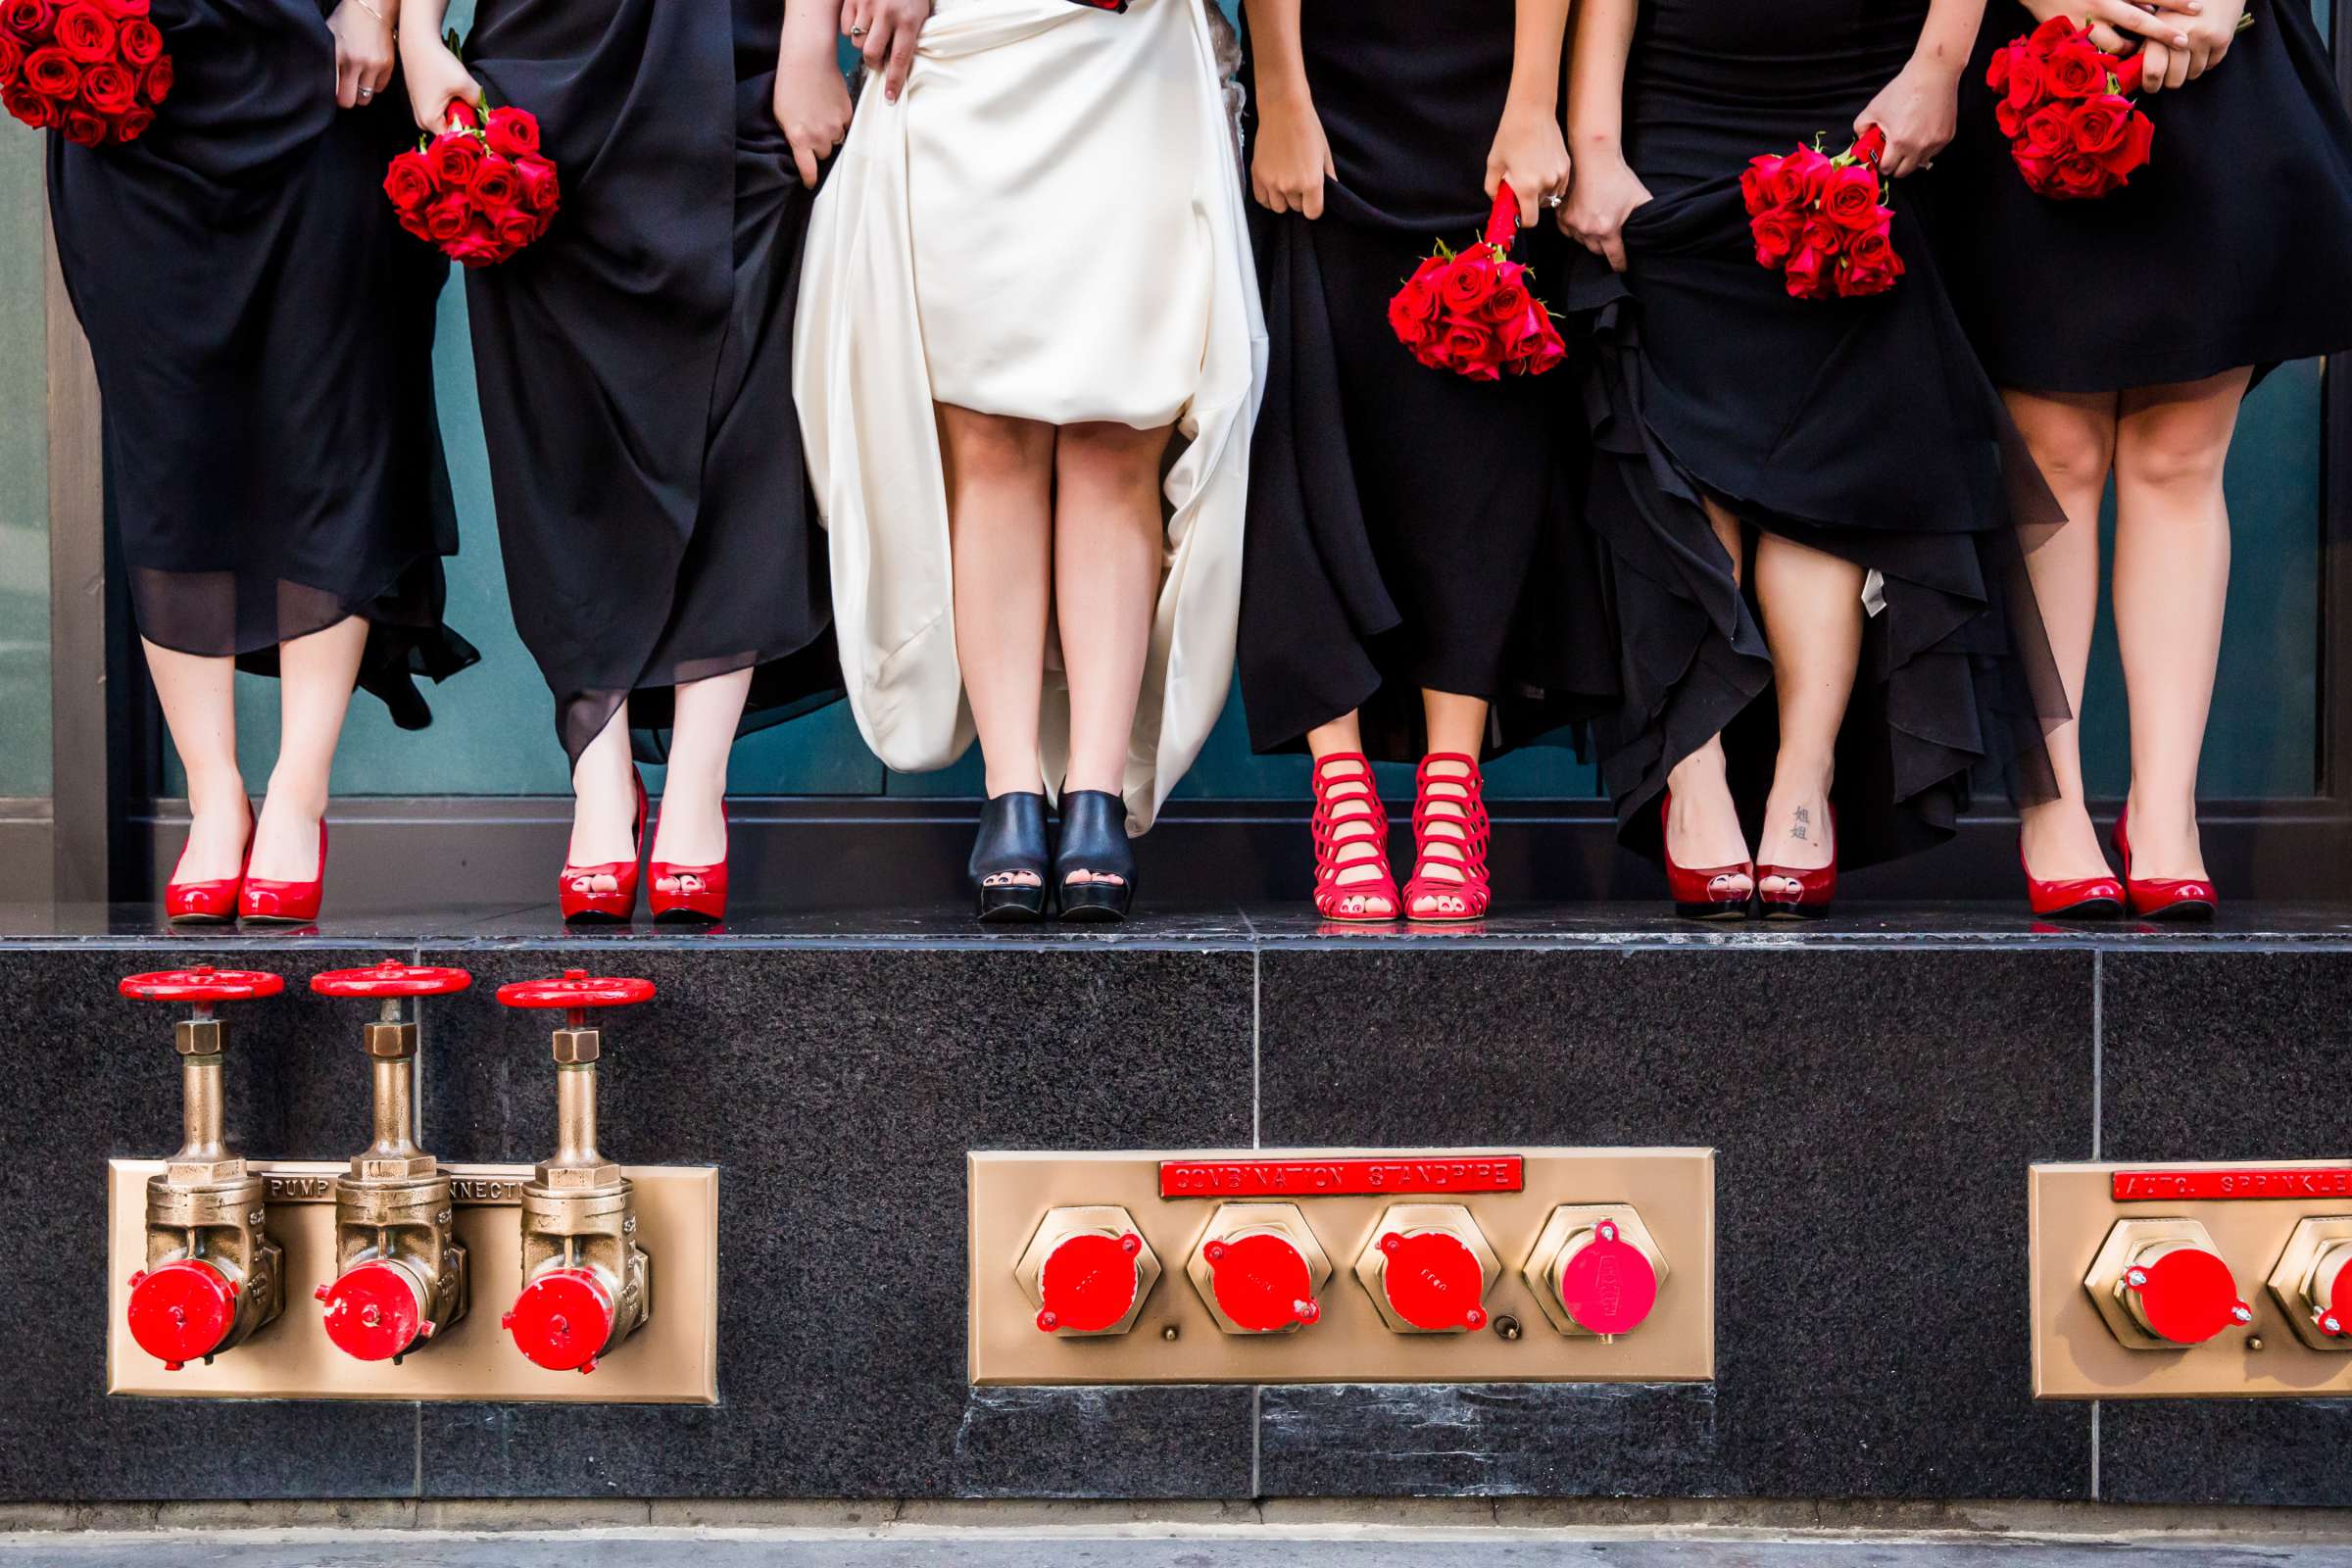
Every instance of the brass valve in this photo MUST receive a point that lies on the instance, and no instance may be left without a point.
(213, 1276)
(587, 1284)
(400, 1273)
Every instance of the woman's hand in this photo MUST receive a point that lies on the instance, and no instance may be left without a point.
(364, 49)
(885, 32)
(2163, 22)
(1531, 154)
(2210, 33)
(812, 106)
(436, 79)
(1917, 112)
(1600, 198)
(1291, 158)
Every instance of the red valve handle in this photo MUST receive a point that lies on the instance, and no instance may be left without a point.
(1089, 1282)
(563, 1320)
(1262, 1281)
(576, 988)
(182, 1311)
(1434, 1281)
(203, 983)
(391, 979)
(2187, 1295)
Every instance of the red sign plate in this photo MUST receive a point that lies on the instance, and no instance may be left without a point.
(2189, 1186)
(1340, 1178)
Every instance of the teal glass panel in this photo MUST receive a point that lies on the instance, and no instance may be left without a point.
(23, 471)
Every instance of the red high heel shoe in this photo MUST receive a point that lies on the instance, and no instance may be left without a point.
(1376, 895)
(1816, 888)
(576, 894)
(1465, 853)
(706, 899)
(2162, 897)
(1702, 893)
(2084, 898)
(266, 901)
(213, 903)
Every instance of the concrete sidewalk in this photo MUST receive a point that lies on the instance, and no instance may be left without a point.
(1014, 1550)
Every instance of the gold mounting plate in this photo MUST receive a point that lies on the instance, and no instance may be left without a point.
(672, 1359)
(1674, 1188)
(2071, 1212)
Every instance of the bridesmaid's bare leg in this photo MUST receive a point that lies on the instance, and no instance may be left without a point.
(604, 801)
(1812, 602)
(1352, 803)
(999, 525)
(315, 679)
(2073, 437)
(1107, 548)
(2172, 576)
(1455, 723)
(693, 828)
(1703, 825)
(199, 702)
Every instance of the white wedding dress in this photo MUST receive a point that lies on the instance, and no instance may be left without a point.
(1047, 225)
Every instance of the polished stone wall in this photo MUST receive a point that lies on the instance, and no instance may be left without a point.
(1875, 1092)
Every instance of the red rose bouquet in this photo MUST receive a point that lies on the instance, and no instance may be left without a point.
(2071, 132)
(94, 69)
(1822, 221)
(1473, 312)
(480, 190)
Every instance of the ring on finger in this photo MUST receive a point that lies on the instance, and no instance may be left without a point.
(857, 32)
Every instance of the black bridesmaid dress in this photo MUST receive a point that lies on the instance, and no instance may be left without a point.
(2232, 247)
(635, 364)
(263, 332)
(1862, 427)
(1407, 527)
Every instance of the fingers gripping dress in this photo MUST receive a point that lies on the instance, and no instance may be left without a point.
(1862, 427)
(1047, 225)
(1408, 527)
(263, 333)
(635, 364)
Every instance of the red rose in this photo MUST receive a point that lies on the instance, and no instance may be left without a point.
(2077, 70)
(2053, 32)
(123, 9)
(83, 128)
(1509, 301)
(1849, 196)
(1411, 312)
(1822, 235)
(448, 216)
(133, 122)
(1539, 349)
(1797, 181)
(109, 89)
(2132, 151)
(83, 31)
(542, 194)
(1431, 269)
(1809, 273)
(12, 60)
(1466, 285)
(455, 156)
(1776, 234)
(1471, 350)
(413, 222)
(49, 73)
(2047, 132)
(2078, 176)
(28, 106)
(29, 20)
(513, 132)
(141, 42)
(408, 182)
(1872, 264)
(516, 229)
(495, 185)
(474, 245)
(2039, 173)
(1756, 183)
(2027, 85)
(2095, 126)
(158, 80)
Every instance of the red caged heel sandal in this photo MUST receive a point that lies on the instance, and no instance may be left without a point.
(1454, 839)
(1348, 810)
(696, 892)
(577, 893)
(1705, 892)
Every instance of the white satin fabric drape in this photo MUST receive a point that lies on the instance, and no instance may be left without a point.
(1048, 226)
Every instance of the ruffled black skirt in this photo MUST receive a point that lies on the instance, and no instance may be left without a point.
(636, 365)
(263, 332)
(1408, 528)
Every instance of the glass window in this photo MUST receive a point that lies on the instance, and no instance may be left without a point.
(23, 471)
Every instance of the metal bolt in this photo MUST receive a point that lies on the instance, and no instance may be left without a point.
(2253, 1341)
(1168, 1333)
(1507, 1327)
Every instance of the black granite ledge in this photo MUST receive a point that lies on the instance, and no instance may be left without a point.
(1566, 926)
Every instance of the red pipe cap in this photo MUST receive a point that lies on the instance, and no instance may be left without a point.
(203, 983)
(1433, 1280)
(563, 1320)
(1263, 1283)
(390, 979)
(1089, 1282)
(2336, 1321)
(375, 1312)
(2189, 1295)
(181, 1311)
(576, 988)
(1609, 1287)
